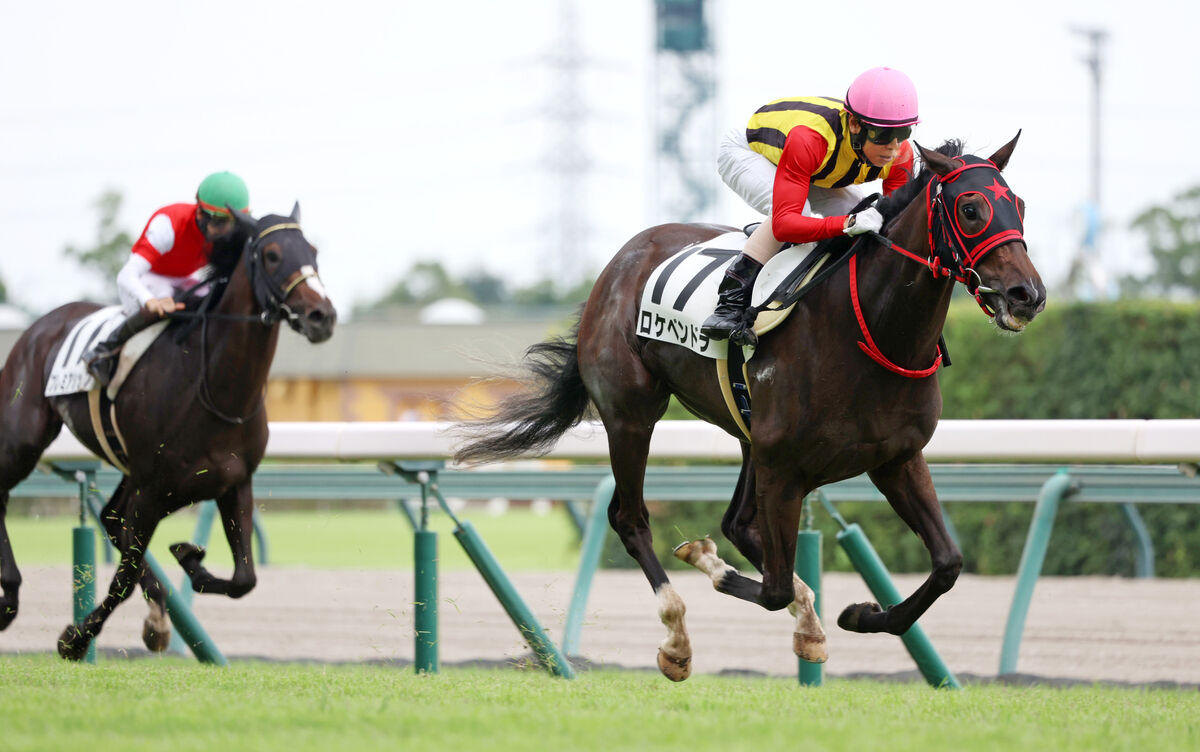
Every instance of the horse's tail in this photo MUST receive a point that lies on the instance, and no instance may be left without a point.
(532, 420)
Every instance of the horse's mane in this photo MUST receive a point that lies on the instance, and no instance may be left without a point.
(890, 206)
(223, 259)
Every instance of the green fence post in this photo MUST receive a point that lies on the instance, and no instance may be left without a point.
(526, 622)
(1033, 556)
(1144, 562)
(808, 567)
(589, 561)
(83, 577)
(425, 619)
(83, 557)
(864, 558)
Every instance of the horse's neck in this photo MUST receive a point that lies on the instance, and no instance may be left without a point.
(903, 303)
(239, 351)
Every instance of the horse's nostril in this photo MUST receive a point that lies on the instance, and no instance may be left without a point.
(1021, 294)
(316, 316)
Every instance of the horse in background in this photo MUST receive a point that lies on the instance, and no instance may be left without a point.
(191, 417)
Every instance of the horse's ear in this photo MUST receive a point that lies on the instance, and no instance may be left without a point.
(1000, 158)
(296, 212)
(939, 163)
(243, 219)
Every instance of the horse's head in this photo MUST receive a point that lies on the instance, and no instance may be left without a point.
(976, 229)
(282, 267)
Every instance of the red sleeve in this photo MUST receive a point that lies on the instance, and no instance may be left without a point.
(901, 170)
(803, 153)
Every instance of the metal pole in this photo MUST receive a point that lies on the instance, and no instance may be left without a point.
(425, 616)
(425, 619)
(1144, 563)
(1032, 558)
(548, 655)
(83, 571)
(589, 561)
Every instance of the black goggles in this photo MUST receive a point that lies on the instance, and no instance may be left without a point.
(883, 136)
(216, 217)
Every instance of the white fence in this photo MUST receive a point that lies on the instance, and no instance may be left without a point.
(1079, 441)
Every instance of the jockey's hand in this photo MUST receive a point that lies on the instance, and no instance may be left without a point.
(162, 306)
(867, 220)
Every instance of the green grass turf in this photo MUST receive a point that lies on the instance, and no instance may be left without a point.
(174, 704)
(520, 539)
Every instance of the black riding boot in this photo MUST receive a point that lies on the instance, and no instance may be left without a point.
(733, 299)
(101, 360)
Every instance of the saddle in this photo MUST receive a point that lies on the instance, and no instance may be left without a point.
(69, 374)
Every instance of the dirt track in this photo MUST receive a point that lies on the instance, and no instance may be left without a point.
(1083, 628)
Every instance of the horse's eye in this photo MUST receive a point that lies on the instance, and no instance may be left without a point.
(272, 256)
(969, 212)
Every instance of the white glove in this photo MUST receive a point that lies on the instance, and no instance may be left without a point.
(867, 220)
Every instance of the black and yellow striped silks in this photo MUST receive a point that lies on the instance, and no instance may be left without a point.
(769, 127)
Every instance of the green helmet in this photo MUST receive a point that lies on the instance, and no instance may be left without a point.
(220, 189)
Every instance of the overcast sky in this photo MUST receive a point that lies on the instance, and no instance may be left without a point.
(426, 130)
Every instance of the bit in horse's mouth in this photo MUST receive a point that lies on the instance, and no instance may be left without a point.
(1004, 317)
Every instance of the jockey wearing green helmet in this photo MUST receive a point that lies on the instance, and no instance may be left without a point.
(171, 254)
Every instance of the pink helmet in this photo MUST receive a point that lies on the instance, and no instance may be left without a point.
(883, 96)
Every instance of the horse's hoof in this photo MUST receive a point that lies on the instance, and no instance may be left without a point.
(675, 669)
(187, 553)
(7, 614)
(852, 618)
(810, 647)
(691, 551)
(155, 637)
(72, 643)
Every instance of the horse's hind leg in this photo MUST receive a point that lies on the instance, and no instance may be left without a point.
(27, 426)
(628, 447)
(156, 628)
(10, 576)
(739, 526)
(630, 401)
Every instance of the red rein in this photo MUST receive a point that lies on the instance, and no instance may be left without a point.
(870, 348)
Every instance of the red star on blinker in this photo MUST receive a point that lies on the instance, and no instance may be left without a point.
(998, 190)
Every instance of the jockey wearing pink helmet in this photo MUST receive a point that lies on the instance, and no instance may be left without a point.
(800, 160)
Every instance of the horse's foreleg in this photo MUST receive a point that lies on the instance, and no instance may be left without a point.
(74, 640)
(237, 516)
(10, 576)
(909, 489)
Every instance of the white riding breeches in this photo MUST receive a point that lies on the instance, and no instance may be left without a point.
(752, 176)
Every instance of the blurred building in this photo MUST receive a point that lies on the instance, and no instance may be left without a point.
(397, 369)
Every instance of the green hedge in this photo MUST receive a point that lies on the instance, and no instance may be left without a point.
(1130, 359)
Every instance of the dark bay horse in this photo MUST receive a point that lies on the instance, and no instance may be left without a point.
(843, 386)
(191, 415)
